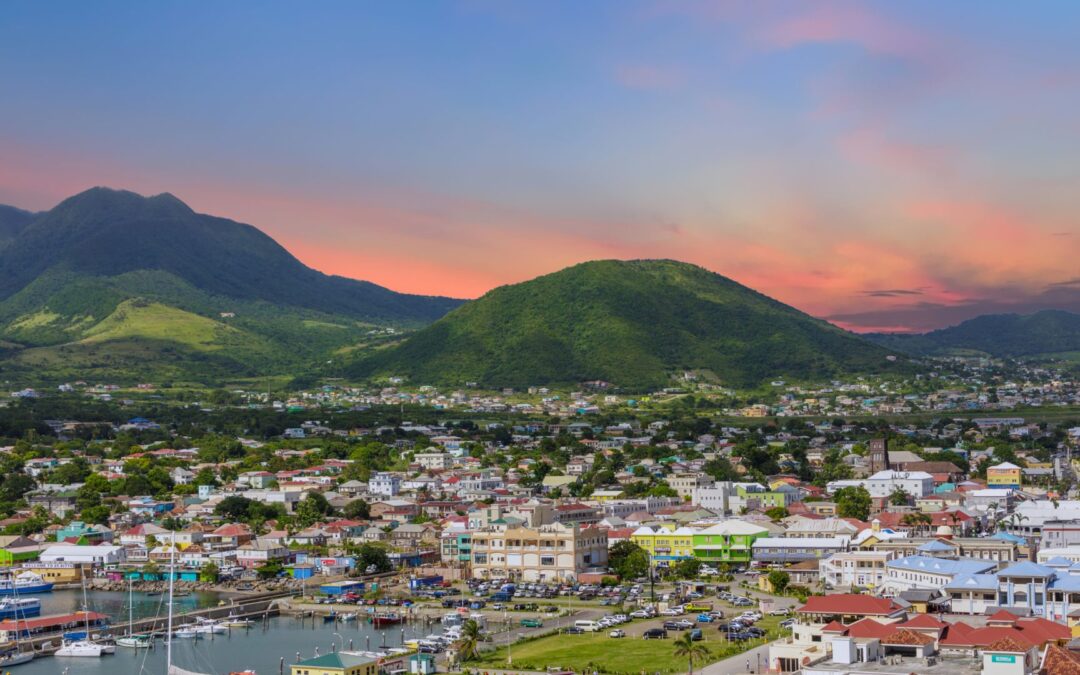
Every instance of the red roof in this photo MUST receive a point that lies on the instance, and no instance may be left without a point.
(924, 621)
(833, 627)
(46, 621)
(868, 628)
(232, 530)
(849, 603)
(1003, 616)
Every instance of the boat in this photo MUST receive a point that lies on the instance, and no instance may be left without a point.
(80, 648)
(141, 641)
(133, 641)
(329, 618)
(237, 622)
(207, 626)
(19, 608)
(186, 632)
(24, 583)
(385, 620)
(351, 616)
(14, 657)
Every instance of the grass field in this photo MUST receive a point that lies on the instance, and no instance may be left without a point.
(597, 651)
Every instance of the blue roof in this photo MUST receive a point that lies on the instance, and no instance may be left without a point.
(925, 563)
(1058, 561)
(973, 582)
(1005, 536)
(1064, 582)
(1026, 569)
(936, 546)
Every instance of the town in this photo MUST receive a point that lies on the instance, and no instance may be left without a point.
(775, 544)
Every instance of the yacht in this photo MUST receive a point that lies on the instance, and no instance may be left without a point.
(80, 648)
(24, 583)
(19, 608)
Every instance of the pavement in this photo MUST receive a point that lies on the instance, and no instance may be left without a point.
(756, 658)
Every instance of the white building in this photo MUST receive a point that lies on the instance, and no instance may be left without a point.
(921, 572)
(101, 554)
(386, 484)
(438, 461)
(865, 569)
(716, 497)
(915, 483)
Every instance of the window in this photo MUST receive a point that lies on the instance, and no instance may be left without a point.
(547, 560)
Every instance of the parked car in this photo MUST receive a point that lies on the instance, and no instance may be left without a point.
(532, 623)
(617, 633)
(696, 635)
(654, 634)
(781, 612)
(574, 630)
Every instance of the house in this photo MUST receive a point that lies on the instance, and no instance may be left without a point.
(783, 550)
(232, 535)
(864, 569)
(337, 663)
(57, 503)
(259, 480)
(386, 484)
(665, 544)
(259, 552)
(1004, 475)
(144, 535)
(182, 476)
(923, 572)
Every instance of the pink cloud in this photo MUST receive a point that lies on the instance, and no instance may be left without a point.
(842, 22)
(872, 148)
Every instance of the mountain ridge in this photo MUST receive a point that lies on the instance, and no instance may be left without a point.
(631, 323)
(1007, 335)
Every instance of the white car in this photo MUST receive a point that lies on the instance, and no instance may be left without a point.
(673, 611)
(617, 633)
(641, 614)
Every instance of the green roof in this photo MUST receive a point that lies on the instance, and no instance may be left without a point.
(336, 660)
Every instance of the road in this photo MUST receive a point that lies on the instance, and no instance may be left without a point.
(756, 658)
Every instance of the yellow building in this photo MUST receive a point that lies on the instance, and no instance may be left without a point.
(664, 543)
(59, 572)
(337, 663)
(1004, 475)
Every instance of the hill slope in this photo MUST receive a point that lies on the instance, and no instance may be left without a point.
(632, 323)
(110, 283)
(1002, 335)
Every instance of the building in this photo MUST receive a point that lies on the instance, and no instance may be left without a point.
(337, 663)
(922, 572)
(686, 483)
(915, 483)
(1004, 475)
(731, 541)
(878, 455)
(437, 461)
(85, 555)
(715, 497)
(548, 553)
(665, 544)
(386, 484)
(782, 550)
(863, 569)
(1059, 534)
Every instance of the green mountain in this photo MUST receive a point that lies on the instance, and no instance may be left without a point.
(633, 324)
(110, 283)
(12, 222)
(1002, 335)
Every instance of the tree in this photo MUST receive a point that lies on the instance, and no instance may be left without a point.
(269, 570)
(357, 509)
(688, 568)
(898, 497)
(233, 507)
(779, 580)
(97, 515)
(852, 502)
(373, 555)
(628, 560)
(209, 573)
(468, 646)
(777, 513)
(686, 648)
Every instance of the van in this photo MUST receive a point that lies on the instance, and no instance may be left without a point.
(588, 626)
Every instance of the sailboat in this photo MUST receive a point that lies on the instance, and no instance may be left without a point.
(170, 669)
(84, 646)
(130, 640)
(13, 656)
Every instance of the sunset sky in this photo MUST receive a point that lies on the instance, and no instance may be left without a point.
(887, 166)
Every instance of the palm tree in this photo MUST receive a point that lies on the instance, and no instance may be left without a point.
(469, 645)
(686, 647)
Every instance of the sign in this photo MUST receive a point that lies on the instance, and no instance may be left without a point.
(1003, 658)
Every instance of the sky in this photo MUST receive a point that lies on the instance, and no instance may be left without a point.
(885, 166)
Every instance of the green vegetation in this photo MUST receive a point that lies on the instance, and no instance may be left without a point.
(597, 651)
(634, 324)
(113, 284)
(1001, 335)
(852, 502)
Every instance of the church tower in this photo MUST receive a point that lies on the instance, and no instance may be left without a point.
(879, 455)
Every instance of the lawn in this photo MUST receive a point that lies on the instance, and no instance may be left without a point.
(597, 651)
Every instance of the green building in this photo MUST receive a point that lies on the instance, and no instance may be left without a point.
(728, 542)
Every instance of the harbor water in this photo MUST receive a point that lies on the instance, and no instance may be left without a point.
(259, 648)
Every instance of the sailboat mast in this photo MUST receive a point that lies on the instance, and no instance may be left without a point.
(168, 634)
